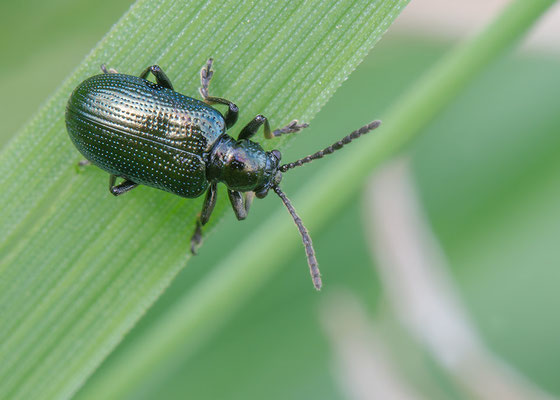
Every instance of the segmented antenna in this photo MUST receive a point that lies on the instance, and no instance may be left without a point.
(332, 148)
(311, 259)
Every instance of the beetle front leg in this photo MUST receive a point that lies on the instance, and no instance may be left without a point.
(204, 216)
(206, 74)
(161, 78)
(292, 127)
(252, 127)
(117, 190)
(241, 203)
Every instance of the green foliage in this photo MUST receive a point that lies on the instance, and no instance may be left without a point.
(490, 184)
(79, 267)
(237, 275)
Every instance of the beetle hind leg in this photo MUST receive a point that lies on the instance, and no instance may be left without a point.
(121, 188)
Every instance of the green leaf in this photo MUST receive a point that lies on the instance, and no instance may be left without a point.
(179, 331)
(80, 267)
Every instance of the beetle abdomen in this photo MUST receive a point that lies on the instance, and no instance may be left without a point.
(138, 130)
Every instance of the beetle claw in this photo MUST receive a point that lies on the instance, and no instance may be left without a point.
(196, 238)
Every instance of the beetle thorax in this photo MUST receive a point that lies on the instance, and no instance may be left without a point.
(243, 165)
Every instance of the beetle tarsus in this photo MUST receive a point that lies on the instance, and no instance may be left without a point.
(206, 74)
(203, 216)
(196, 238)
(108, 71)
(293, 127)
(81, 165)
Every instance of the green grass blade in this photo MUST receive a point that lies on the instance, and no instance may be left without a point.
(197, 313)
(79, 267)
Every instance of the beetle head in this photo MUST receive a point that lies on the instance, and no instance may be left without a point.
(244, 166)
(274, 175)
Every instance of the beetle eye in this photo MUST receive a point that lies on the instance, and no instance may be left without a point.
(277, 154)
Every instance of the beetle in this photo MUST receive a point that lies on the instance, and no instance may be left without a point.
(148, 134)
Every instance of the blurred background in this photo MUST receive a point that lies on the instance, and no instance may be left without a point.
(440, 281)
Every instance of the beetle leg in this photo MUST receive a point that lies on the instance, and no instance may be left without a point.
(240, 203)
(206, 74)
(161, 78)
(117, 190)
(248, 200)
(292, 127)
(231, 114)
(81, 165)
(252, 127)
(204, 216)
(108, 71)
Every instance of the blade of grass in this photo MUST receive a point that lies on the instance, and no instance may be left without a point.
(79, 267)
(197, 313)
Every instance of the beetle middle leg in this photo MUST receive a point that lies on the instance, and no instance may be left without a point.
(121, 188)
(206, 74)
(204, 216)
(253, 126)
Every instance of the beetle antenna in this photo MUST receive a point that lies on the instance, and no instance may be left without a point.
(311, 259)
(333, 147)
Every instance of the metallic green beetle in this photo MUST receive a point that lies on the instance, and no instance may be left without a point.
(148, 134)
